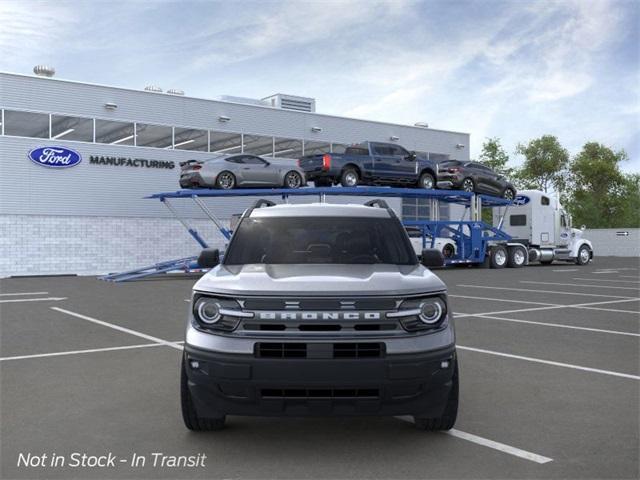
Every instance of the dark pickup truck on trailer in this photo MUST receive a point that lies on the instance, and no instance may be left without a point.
(371, 163)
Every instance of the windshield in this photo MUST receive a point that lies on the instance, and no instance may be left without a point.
(313, 240)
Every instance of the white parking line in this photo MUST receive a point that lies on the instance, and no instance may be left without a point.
(20, 300)
(528, 290)
(119, 328)
(551, 306)
(549, 362)
(582, 285)
(604, 280)
(628, 276)
(501, 300)
(566, 270)
(77, 352)
(558, 325)
(485, 442)
(23, 293)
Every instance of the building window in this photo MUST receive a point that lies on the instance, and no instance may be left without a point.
(71, 128)
(315, 148)
(157, 136)
(26, 124)
(258, 145)
(114, 133)
(287, 148)
(190, 139)
(225, 142)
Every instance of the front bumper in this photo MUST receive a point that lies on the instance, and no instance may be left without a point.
(232, 384)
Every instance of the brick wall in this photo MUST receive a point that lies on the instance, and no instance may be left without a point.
(45, 245)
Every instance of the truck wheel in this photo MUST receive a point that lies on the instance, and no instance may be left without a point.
(584, 255)
(517, 257)
(499, 257)
(468, 185)
(448, 251)
(349, 178)
(509, 194)
(191, 419)
(427, 181)
(448, 418)
(226, 180)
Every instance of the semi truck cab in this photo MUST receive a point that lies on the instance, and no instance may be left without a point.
(538, 221)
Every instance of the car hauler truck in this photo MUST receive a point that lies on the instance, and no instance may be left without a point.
(538, 221)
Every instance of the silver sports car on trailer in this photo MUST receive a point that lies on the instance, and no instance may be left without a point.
(241, 170)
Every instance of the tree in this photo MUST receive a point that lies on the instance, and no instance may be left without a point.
(600, 195)
(545, 164)
(495, 157)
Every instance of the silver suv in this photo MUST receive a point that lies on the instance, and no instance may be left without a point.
(319, 310)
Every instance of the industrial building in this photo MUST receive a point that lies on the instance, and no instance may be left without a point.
(92, 217)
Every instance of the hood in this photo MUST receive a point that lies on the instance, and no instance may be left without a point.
(320, 280)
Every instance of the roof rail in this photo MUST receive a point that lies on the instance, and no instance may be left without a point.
(258, 204)
(378, 202)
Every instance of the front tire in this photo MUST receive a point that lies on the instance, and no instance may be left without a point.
(448, 418)
(468, 185)
(349, 178)
(509, 194)
(226, 180)
(584, 255)
(448, 251)
(427, 181)
(293, 180)
(189, 415)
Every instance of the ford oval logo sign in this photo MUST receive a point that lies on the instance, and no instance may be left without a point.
(55, 157)
(521, 200)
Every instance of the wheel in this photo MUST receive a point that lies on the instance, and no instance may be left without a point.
(191, 419)
(448, 418)
(226, 180)
(584, 255)
(517, 257)
(468, 185)
(498, 257)
(426, 181)
(448, 251)
(293, 179)
(349, 177)
(508, 194)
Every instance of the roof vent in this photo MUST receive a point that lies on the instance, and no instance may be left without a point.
(44, 71)
(175, 91)
(153, 88)
(292, 102)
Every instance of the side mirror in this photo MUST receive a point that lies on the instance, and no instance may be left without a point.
(432, 257)
(412, 156)
(209, 258)
(583, 228)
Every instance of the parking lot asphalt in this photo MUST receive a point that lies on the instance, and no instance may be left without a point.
(549, 371)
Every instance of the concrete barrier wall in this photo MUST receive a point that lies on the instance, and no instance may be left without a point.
(615, 242)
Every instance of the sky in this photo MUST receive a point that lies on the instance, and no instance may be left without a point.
(509, 69)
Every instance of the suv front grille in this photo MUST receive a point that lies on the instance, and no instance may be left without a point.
(320, 304)
(319, 350)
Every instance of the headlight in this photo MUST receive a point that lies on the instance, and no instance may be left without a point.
(417, 314)
(208, 310)
(431, 311)
(213, 313)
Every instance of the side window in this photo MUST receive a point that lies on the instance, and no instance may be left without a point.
(399, 151)
(518, 220)
(544, 200)
(563, 220)
(251, 160)
(382, 150)
(237, 159)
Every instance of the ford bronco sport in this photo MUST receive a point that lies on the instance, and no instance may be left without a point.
(319, 309)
